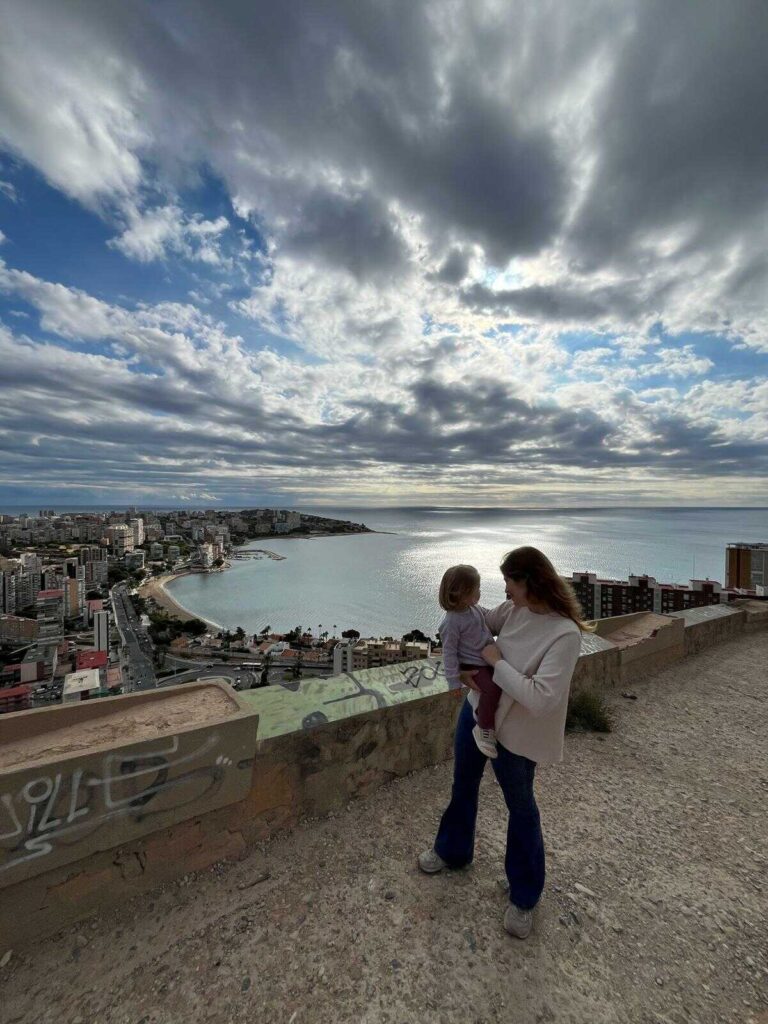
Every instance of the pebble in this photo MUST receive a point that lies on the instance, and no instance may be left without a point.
(584, 890)
(6, 958)
(81, 941)
(245, 984)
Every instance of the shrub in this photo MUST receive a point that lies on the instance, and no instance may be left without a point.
(588, 710)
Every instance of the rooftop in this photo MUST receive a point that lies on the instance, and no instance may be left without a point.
(654, 910)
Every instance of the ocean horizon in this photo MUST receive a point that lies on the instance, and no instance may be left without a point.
(387, 582)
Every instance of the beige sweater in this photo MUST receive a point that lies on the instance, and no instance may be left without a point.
(539, 655)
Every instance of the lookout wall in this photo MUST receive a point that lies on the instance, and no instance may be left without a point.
(163, 805)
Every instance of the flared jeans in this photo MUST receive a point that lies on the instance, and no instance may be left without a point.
(455, 843)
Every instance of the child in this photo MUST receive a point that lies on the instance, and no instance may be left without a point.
(464, 634)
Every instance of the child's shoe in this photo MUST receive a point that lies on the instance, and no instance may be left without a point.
(486, 741)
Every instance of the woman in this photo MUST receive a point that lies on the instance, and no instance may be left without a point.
(538, 631)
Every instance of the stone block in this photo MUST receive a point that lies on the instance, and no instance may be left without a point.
(96, 775)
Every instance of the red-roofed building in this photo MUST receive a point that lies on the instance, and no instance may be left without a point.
(90, 659)
(15, 698)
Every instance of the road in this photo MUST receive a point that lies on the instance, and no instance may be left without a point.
(138, 646)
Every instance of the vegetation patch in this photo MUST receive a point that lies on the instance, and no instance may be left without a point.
(588, 711)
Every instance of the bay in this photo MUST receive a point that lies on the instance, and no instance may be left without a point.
(386, 583)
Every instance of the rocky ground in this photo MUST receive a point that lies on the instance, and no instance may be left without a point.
(656, 907)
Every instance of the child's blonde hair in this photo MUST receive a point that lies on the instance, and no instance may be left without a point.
(457, 586)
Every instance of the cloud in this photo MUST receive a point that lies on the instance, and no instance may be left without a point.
(156, 233)
(446, 194)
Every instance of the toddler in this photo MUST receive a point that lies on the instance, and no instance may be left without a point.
(464, 634)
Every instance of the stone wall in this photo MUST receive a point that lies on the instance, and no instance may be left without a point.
(715, 624)
(320, 747)
(305, 773)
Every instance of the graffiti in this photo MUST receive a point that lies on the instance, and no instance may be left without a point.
(50, 811)
(318, 701)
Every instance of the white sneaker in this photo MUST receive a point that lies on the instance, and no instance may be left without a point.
(431, 862)
(518, 922)
(486, 741)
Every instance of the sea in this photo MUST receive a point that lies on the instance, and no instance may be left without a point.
(386, 583)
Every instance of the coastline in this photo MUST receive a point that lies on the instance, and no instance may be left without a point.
(156, 590)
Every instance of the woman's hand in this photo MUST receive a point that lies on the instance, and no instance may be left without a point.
(492, 654)
(468, 679)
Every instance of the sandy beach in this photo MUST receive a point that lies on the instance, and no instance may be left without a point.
(154, 589)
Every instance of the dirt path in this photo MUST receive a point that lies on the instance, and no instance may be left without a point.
(655, 909)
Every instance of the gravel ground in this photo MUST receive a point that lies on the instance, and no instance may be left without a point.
(655, 908)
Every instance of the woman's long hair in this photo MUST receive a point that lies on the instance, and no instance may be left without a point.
(531, 566)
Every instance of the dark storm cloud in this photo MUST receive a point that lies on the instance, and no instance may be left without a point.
(679, 138)
(351, 232)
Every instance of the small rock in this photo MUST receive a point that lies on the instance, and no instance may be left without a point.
(6, 958)
(584, 890)
(81, 941)
(245, 984)
(470, 940)
(575, 917)
(396, 965)
(660, 982)
(629, 696)
(389, 895)
(563, 919)
(254, 881)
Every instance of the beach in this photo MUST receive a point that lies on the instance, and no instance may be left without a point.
(154, 589)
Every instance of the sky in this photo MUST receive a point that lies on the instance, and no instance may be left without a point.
(455, 252)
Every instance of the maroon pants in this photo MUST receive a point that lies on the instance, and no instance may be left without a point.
(490, 694)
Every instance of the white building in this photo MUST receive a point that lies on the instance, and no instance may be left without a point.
(342, 656)
(101, 631)
(137, 526)
(120, 539)
(78, 685)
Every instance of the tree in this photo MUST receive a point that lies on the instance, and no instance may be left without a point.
(265, 667)
(240, 634)
(267, 629)
(93, 595)
(297, 665)
(415, 636)
(195, 626)
(350, 634)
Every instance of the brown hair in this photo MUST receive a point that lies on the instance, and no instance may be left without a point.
(531, 566)
(456, 587)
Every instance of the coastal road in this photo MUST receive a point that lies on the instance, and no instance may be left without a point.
(138, 646)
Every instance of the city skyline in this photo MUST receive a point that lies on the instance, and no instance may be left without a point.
(434, 255)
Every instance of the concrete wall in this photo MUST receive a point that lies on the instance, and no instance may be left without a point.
(599, 665)
(715, 624)
(307, 773)
(664, 644)
(73, 782)
(307, 769)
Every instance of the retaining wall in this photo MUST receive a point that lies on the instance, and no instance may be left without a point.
(317, 748)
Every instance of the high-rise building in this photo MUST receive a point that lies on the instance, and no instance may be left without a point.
(746, 565)
(137, 526)
(101, 631)
(120, 538)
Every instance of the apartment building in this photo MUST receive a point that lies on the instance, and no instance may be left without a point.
(601, 598)
(746, 566)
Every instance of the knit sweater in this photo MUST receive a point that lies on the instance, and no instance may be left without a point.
(539, 654)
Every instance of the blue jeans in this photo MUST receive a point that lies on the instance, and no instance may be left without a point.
(455, 843)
